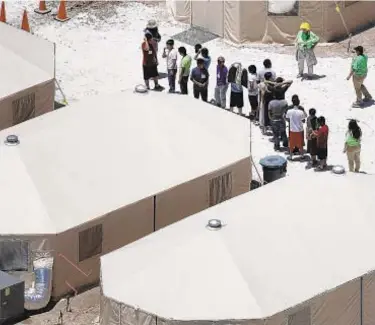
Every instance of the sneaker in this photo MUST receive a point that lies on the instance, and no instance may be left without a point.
(158, 88)
(357, 104)
(171, 91)
(300, 75)
(368, 99)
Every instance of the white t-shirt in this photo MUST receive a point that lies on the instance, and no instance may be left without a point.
(264, 71)
(252, 85)
(296, 116)
(172, 59)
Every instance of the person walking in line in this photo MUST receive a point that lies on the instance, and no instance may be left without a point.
(221, 83)
(197, 48)
(305, 42)
(276, 111)
(253, 92)
(267, 67)
(203, 54)
(295, 117)
(265, 96)
(322, 143)
(352, 146)
(358, 73)
(184, 73)
(311, 127)
(171, 55)
(236, 91)
(150, 62)
(199, 77)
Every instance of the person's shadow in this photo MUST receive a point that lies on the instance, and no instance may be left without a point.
(313, 77)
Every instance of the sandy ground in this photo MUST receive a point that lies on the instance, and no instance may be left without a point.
(84, 310)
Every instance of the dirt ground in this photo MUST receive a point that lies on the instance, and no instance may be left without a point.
(84, 310)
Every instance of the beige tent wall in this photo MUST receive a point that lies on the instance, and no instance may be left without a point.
(32, 48)
(248, 21)
(208, 15)
(27, 104)
(194, 196)
(232, 18)
(340, 306)
(180, 10)
(368, 299)
(358, 14)
(119, 228)
(256, 25)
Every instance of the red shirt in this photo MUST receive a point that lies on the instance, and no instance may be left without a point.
(322, 137)
(150, 56)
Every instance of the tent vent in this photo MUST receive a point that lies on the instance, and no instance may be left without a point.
(214, 224)
(12, 140)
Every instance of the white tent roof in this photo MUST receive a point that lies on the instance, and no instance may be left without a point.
(106, 152)
(281, 245)
(25, 59)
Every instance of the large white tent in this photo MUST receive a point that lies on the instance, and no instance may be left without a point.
(119, 167)
(27, 82)
(293, 252)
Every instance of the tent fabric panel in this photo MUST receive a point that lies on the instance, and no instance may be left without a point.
(232, 18)
(115, 313)
(173, 205)
(180, 9)
(336, 307)
(208, 15)
(31, 48)
(356, 15)
(119, 228)
(27, 104)
(257, 25)
(368, 299)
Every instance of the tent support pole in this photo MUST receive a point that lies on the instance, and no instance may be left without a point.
(154, 213)
(361, 301)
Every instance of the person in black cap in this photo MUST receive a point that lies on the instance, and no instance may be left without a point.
(358, 72)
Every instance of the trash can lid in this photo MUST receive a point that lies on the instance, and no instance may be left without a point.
(273, 161)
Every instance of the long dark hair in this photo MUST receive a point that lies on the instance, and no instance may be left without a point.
(354, 129)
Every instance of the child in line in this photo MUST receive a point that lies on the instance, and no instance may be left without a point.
(170, 54)
(253, 92)
(352, 146)
(236, 91)
(322, 143)
(311, 127)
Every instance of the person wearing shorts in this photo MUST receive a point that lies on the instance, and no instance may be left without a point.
(295, 117)
(150, 62)
(322, 143)
(253, 91)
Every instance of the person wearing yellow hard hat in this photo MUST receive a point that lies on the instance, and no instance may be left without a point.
(305, 42)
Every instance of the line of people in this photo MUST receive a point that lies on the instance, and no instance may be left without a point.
(266, 93)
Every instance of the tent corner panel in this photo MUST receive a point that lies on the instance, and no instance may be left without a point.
(77, 265)
(201, 193)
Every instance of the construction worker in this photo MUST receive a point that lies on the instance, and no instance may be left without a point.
(305, 43)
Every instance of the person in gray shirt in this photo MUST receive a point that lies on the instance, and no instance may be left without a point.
(276, 110)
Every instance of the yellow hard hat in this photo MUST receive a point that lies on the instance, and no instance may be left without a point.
(305, 26)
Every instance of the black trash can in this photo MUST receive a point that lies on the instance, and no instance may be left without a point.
(274, 168)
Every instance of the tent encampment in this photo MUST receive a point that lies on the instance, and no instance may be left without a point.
(27, 87)
(296, 251)
(97, 175)
(273, 21)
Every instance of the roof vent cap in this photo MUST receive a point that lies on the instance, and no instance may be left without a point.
(12, 140)
(214, 224)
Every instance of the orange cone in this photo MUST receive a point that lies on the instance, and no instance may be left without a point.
(3, 17)
(42, 8)
(61, 14)
(25, 22)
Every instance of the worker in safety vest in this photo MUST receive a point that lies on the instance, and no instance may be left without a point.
(305, 42)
